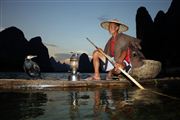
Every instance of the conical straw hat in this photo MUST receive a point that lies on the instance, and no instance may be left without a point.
(122, 28)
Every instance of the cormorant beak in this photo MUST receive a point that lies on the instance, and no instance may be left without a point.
(31, 56)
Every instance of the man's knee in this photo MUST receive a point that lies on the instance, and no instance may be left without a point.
(96, 54)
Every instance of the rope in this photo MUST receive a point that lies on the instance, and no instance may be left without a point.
(162, 94)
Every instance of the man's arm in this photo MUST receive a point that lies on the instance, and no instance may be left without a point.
(122, 57)
(120, 63)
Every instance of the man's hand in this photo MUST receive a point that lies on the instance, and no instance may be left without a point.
(100, 50)
(119, 65)
(116, 69)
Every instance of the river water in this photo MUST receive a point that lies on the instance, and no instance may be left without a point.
(89, 103)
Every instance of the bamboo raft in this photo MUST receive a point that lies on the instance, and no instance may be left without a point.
(12, 84)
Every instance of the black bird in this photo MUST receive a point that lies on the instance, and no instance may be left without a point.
(31, 67)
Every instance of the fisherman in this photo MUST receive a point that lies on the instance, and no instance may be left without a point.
(124, 49)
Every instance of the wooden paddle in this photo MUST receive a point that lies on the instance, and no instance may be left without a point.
(113, 62)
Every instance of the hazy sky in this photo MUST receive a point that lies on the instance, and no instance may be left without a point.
(64, 24)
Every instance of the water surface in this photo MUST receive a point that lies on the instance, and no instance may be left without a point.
(89, 103)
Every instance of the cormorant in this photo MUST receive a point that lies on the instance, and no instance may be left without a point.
(31, 67)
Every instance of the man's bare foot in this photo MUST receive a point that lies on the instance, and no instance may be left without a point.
(109, 76)
(93, 78)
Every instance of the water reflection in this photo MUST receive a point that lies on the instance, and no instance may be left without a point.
(110, 104)
(74, 99)
(21, 105)
(145, 97)
(89, 104)
(102, 100)
(74, 105)
(77, 101)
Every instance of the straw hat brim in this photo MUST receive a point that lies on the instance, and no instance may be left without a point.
(122, 27)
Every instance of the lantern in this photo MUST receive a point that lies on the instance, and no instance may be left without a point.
(74, 63)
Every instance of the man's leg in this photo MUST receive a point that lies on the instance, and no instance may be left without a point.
(109, 75)
(97, 56)
(109, 69)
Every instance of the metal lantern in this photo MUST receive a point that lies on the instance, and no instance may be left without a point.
(74, 63)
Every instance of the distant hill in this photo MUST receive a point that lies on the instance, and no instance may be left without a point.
(59, 67)
(84, 64)
(14, 47)
(160, 37)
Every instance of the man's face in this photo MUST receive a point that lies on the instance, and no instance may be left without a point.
(113, 27)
